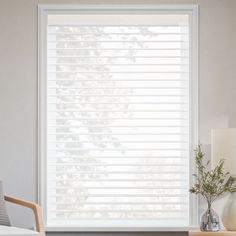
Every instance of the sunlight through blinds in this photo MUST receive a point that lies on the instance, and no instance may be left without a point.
(118, 120)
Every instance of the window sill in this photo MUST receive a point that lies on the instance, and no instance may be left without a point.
(120, 229)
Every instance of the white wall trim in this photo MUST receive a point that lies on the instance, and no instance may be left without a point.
(77, 7)
(194, 108)
(121, 229)
(41, 107)
(43, 10)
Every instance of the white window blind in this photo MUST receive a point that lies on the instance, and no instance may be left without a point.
(118, 119)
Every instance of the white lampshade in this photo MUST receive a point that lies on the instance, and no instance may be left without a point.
(223, 146)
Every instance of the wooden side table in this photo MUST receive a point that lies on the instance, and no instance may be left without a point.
(218, 233)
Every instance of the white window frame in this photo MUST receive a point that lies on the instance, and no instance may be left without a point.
(43, 11)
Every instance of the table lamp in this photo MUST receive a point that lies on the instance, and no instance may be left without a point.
(223, 146)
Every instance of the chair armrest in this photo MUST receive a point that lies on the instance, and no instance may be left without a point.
(34, 207)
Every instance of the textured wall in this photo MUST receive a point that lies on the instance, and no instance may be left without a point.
(18, 87)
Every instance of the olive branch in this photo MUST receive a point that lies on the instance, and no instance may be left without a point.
(214, 183)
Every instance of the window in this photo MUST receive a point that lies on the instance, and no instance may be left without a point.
(117, 115)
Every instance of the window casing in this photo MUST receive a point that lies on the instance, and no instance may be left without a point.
(118, 116)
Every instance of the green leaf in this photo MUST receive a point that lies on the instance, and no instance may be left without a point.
(211, 184)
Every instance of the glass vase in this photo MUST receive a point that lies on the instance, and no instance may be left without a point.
(210, 221)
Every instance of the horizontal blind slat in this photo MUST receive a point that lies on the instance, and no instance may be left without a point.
(112, 188)
(182, 210)
(123, 33)
(79, 172)
(126, 203)
(149, 157)
(123, 195)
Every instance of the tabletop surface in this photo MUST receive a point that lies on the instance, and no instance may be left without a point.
(219, 233)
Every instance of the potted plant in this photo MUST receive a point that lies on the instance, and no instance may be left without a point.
(211, 184)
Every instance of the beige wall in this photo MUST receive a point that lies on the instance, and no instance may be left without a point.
(18, 84)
